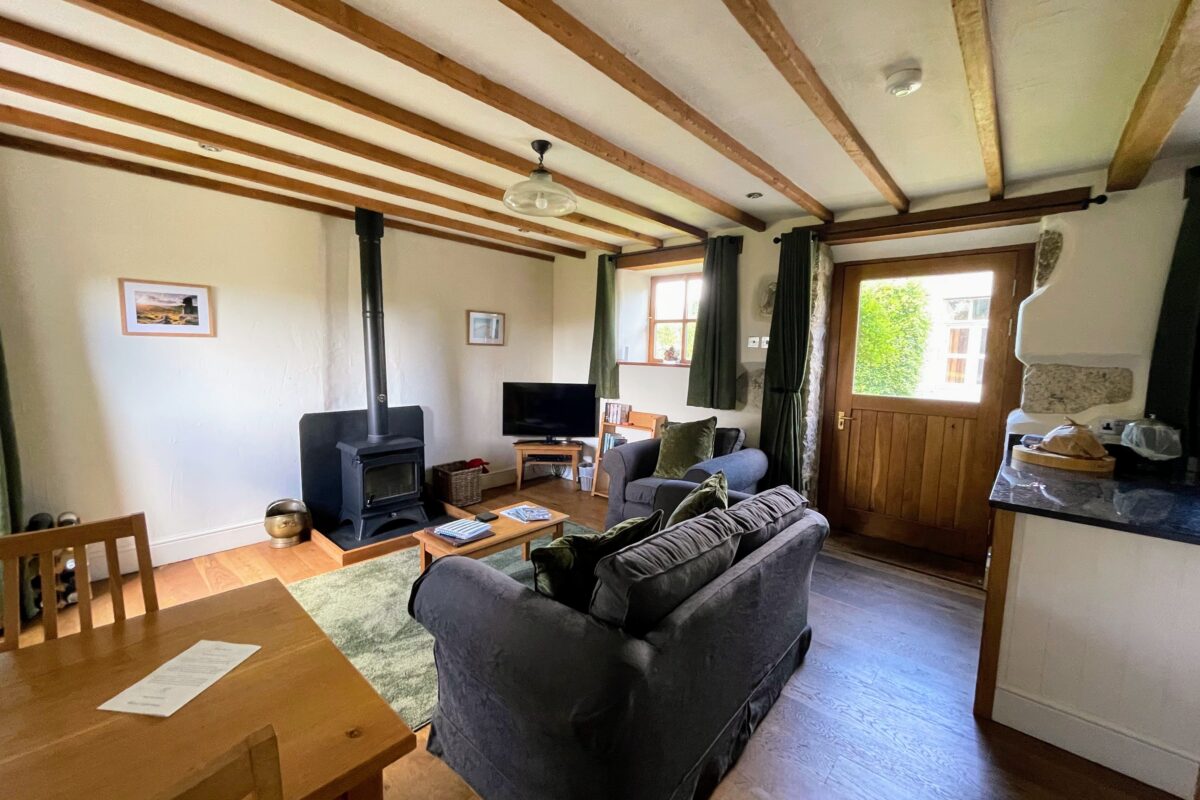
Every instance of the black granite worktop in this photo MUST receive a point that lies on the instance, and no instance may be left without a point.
(1142, 505)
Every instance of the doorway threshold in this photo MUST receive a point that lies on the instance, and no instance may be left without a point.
(909, 558)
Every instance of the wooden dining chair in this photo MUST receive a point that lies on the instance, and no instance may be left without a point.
(249, 770)
(43, 544)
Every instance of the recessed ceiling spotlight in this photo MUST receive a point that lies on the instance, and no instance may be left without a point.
(753, 195)
(212, 148)
(903, 82)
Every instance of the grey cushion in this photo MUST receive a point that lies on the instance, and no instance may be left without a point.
(640, 584)
(764, 515)
(728, 440)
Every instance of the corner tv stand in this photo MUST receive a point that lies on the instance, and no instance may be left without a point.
(539, 451)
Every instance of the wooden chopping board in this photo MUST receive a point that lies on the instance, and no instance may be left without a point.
(1093, 466)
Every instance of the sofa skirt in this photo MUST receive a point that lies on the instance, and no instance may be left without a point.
(702, 780)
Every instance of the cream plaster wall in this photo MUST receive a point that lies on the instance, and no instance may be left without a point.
(202, 433)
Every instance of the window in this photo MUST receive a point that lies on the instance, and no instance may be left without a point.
(967, 338)
(674, 307)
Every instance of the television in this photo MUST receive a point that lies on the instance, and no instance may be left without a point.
(550, 410)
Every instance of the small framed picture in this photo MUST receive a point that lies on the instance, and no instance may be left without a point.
(485, 327)
(155, 308)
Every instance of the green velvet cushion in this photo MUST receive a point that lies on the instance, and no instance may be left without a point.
(683, 446)
(712, 493)
(565, 569)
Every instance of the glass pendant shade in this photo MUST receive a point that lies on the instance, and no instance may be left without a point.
(540, 196)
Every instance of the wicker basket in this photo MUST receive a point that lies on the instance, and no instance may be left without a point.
(457, 484)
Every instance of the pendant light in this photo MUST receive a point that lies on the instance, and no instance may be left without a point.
(540, 196)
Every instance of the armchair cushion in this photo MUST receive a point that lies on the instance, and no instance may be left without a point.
(728, 440)
(565, 569)
(683, 445)
(712, 493)
(639, 585)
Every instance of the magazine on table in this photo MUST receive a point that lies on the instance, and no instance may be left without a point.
(527, 513)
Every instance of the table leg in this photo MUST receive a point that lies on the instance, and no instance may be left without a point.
(370, 789)
(426, 558)
(557, 532)
(575, 472)
(525, 550)
(520, 470)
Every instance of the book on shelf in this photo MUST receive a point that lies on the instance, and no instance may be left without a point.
(611, 440)
(617, 413)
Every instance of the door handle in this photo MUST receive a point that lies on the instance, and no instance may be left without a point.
(842, 419)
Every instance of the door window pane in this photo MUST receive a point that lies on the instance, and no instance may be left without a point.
(920, 337)
(668, 339)
(668, 299)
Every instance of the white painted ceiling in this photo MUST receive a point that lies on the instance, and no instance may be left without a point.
(1067, 75)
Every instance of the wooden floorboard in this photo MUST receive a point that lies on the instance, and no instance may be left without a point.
(880, 709)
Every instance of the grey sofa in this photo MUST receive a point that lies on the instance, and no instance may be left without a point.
(538, 701)
(632, 486)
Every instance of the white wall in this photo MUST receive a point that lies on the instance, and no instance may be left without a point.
(201, 434)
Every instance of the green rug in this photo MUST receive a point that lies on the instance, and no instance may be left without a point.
(364, 610)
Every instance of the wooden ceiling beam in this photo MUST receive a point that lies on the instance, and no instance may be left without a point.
(60, 49)
(181, 31)
(198, 181)
(1173, 80)
(370, 32)
(33, 87)
(768, 31)
(569, 32)
(975, 41)
(58, 127)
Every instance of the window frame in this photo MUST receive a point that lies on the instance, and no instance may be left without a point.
(652, 321)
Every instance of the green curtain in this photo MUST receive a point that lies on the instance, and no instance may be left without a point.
(604, 371)
(783, 412)
(1171, 391)
(10, 467)
(712, 379)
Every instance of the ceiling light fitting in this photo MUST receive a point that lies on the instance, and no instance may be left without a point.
(753, 195)
(539, 195)
(903, 82)
(212, 148)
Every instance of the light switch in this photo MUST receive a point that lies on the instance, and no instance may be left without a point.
(765, 341)
(752, 342)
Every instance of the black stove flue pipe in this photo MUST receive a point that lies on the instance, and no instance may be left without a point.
(369, 227)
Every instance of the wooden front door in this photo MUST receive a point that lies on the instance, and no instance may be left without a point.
(924, 346)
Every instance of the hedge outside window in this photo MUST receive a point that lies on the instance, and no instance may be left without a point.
(674, 306)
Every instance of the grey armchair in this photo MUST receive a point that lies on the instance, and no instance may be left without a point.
(633, 490)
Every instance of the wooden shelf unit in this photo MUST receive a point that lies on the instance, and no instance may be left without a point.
(638, 421)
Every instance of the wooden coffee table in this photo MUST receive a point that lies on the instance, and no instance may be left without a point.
(506, 533)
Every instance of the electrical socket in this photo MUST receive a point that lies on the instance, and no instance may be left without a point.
(765, 340)
(752, 341)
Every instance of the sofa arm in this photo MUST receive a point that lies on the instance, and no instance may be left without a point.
(510, 641)
(670, 494)
(743, 469)
(629, 462)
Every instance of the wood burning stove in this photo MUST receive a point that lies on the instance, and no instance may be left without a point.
(382, 476)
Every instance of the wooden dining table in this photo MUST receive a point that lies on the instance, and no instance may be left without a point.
(335, 733)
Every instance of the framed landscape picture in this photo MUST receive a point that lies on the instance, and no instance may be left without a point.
(155, 308)
(485, 327)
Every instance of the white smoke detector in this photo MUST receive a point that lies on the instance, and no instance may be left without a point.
(904, 82)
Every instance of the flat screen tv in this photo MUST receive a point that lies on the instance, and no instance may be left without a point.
(550, 410)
